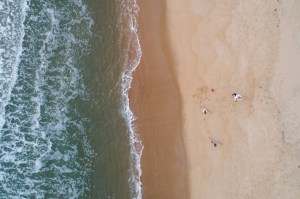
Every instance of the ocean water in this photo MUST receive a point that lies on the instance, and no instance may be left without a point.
(65, 123)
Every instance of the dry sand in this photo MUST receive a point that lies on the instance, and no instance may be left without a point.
(193, 46)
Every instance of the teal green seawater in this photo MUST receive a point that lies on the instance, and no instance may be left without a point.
(110, 135)
(65, 124)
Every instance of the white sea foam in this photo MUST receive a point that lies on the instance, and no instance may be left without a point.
(38, 80)
(132, 56)
(12, 33)
(41, 71)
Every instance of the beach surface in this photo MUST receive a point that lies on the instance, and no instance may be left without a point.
(156, 104)
(196, 53)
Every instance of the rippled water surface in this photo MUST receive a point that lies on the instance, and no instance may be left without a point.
(65, 123)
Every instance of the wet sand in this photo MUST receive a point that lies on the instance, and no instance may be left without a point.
(156, 103)
(195, 55)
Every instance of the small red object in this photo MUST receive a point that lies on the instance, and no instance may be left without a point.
(212, 90)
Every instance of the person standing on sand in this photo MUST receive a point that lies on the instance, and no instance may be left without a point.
(204, 110)
(237, 97)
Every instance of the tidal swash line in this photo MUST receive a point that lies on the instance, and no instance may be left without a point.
(132, 56)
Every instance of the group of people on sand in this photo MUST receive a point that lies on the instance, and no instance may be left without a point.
(236, 97)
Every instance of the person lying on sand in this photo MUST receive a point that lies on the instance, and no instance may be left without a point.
(214, 142)
(237, 97)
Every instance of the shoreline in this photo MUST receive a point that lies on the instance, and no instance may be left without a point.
(195, 55)
(155, 102)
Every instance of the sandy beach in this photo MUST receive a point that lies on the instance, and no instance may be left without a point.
(196, 53)
(156, 103)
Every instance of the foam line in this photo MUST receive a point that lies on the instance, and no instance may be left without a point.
(129, 16)
(13, 68)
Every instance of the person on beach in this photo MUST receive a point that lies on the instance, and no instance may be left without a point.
(204, 110)
(236, 97)
(213, 142)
